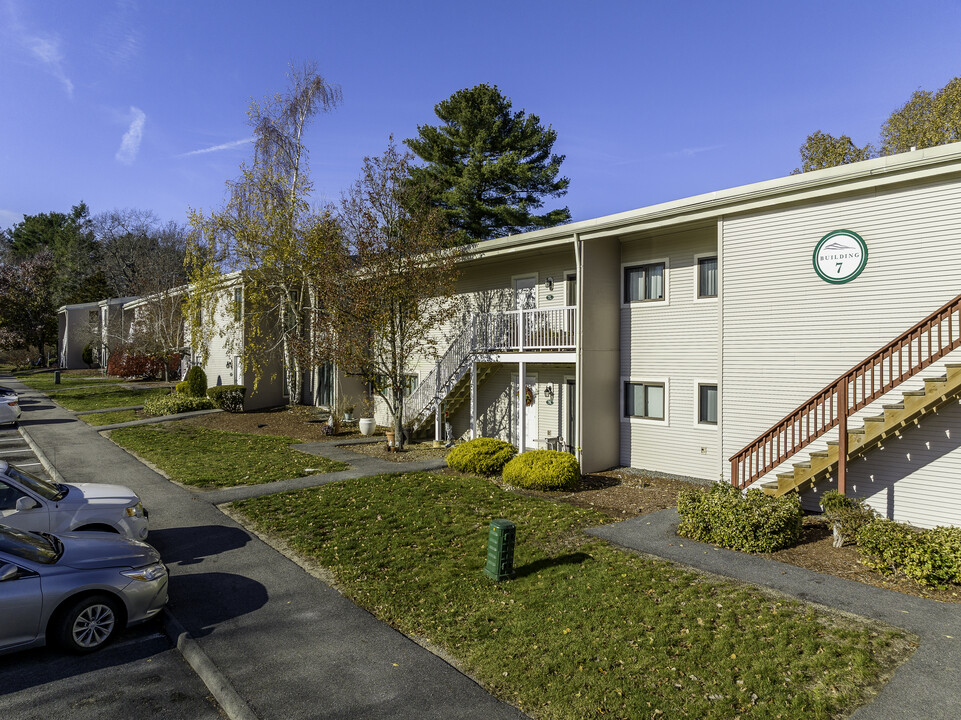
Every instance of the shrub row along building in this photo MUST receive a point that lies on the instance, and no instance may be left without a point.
(728, 336)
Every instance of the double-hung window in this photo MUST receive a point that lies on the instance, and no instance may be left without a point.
(707, 277)
(707, 404)
(644, 400)
(644, 282)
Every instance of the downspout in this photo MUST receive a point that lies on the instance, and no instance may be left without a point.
(578, 345)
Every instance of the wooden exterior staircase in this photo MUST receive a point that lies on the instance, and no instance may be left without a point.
(926, 342)
(876, 429)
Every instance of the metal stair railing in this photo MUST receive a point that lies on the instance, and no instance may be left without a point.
(915, 349)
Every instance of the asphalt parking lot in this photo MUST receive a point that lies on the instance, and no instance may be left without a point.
(139, 675)
(15, 450)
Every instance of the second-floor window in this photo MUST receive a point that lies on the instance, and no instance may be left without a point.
(707, 277)
(643, 283)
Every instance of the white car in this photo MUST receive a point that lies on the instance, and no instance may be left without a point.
(9, 405)
(31, 503)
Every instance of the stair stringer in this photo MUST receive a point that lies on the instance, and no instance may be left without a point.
(885, 418)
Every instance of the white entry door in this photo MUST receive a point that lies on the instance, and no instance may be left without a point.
(530, 429)
(525, 293)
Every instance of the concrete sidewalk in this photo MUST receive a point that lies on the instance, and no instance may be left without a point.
(926, 686)
(282, 643)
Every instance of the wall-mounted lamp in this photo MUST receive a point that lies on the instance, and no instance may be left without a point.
(549, 394)
(550, 283)
(230, 364)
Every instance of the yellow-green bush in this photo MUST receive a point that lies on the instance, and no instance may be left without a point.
(173, 404)
(929, 557)
(543, 470)
(482, 456)
(753, 522)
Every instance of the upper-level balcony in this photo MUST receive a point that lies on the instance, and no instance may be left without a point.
(537, 329)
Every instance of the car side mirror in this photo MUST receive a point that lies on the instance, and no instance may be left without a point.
(26, 503)
(9, 572)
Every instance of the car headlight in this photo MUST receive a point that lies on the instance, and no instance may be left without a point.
(146, 574)
(135, 510)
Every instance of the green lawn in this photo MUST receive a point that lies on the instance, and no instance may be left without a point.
(213, 458)
(585, 630)
(109, 418)
(104, 398)
(44, 381)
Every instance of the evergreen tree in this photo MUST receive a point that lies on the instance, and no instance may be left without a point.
(488, 168)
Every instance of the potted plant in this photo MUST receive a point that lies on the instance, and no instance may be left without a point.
(366, 424)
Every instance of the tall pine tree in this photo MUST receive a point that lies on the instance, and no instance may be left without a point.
(487, 168)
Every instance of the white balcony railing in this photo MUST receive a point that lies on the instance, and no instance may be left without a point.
(512, 331)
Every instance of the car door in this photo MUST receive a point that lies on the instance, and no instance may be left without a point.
(21, 604)
(36, 518)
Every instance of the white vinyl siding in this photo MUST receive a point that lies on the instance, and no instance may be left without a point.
(787, 333)
(675, 343)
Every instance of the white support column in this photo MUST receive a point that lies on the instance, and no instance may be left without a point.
(522, 405)
(473, 400)
(438, 403)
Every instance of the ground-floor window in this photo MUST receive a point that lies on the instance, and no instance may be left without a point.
(644, 400)
(707, 404)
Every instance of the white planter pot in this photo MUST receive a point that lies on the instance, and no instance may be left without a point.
(367, 426)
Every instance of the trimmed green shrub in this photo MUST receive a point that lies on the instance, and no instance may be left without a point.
(181, 388)
(173, 404)
(195, 384)
(543, 470)
(752, 522)
(929, 557)
(847, 516)
(228, 397)
(481, 456)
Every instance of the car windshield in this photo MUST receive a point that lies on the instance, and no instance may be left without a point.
(40, 548)
(44, 488)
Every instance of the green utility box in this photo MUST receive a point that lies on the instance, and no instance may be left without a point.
(500, 550)
(56, 377)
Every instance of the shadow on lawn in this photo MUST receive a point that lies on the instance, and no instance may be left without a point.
(535, 567)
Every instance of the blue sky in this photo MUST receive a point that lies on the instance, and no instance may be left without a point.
(126, 104)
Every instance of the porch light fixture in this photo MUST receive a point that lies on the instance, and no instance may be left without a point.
(550, 283)
(549, 394)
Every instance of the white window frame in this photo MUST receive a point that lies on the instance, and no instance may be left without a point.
(665, 422)
(697, 278)
(647, 303)
(537, 288)
(698, 423)
(567, 279)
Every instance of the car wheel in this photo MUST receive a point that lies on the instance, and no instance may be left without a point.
(88, 624)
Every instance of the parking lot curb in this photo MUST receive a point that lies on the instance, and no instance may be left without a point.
(218, 684)
(41, 456)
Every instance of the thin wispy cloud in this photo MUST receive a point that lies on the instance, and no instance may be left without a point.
(130, 145)
(119, 38)
(219, 148)
(44, 48)
(692, 151)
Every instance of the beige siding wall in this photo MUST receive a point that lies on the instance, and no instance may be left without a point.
(787, 333)
(674, 342)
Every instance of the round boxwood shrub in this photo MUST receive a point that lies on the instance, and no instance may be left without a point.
(195, 383)
(929, 557)
(543, 470)
(482, 456)
(173, 404)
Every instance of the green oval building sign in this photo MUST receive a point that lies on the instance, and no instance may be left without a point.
(840, 256)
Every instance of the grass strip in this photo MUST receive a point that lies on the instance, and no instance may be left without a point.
(203, 457)
(45, 381)
(585, 630)
(104, 398)
(109, 418)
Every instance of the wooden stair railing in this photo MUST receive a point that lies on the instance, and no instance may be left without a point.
(915, 349)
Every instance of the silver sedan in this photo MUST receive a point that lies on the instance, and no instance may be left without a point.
(75, 589)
